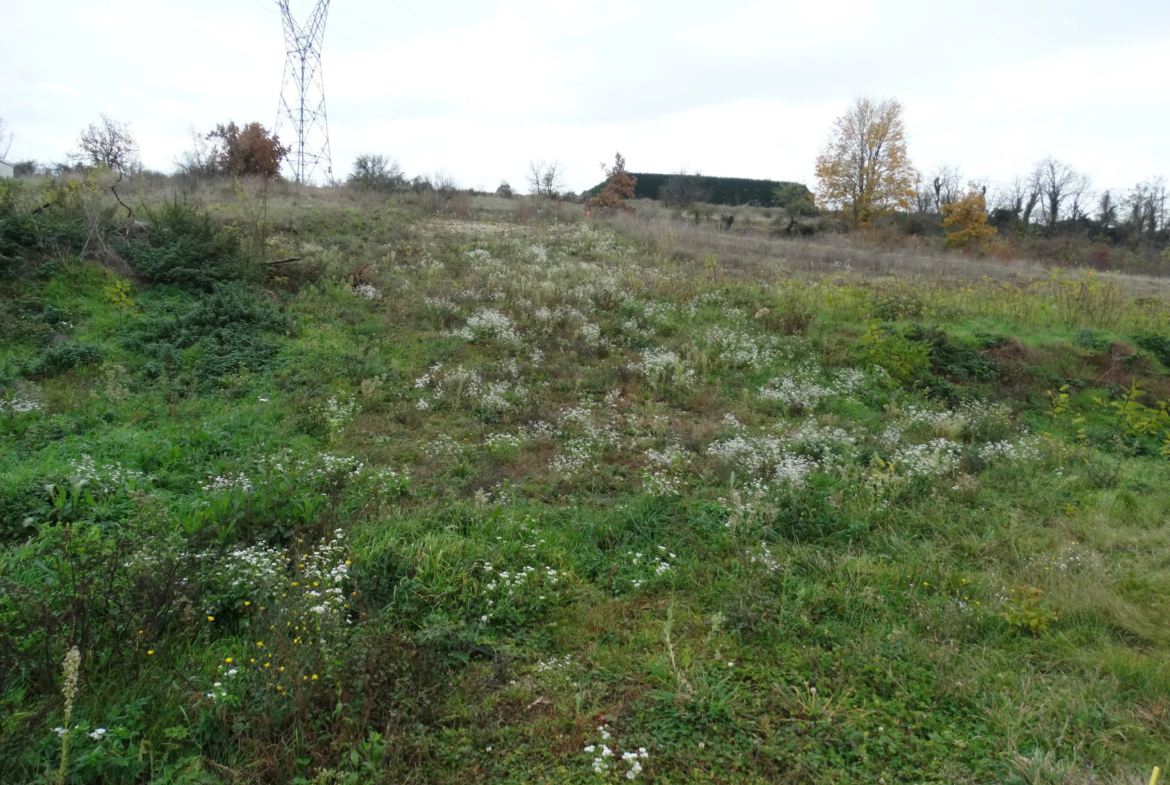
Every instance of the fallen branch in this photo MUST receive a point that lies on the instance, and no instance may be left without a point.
(281, 261)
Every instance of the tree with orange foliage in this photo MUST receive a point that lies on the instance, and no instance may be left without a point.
(246, 152)
(619, 186)
(965, 221)
(864, 170)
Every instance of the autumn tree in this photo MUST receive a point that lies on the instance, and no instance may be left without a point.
(107, 143)
(965, 221)
(864, 169)
(251, 151)
(619, 186)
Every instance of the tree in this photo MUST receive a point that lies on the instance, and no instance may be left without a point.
(1056, 185)
(5, 139)
(1106, 210)
(377, 173)
(864, 169)
(1146, 206)
(107, 143)
(945, 184)
(682, 190)
(619, 186)
(505, 190)
(965, 221)
(544, 178)
(252, 151)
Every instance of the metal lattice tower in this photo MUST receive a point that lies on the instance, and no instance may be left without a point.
(302, 94)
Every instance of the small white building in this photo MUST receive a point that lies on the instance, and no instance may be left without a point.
(6, 171)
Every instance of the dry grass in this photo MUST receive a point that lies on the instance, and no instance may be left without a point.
(749, 249)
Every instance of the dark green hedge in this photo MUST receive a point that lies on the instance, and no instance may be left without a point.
(719, 190)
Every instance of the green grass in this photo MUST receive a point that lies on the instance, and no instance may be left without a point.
(750, 557)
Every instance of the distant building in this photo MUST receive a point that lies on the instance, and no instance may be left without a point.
(6, 171)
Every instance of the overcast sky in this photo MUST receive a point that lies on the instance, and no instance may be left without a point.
(747, 89)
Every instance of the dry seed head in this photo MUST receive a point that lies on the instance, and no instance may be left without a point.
(70, 668)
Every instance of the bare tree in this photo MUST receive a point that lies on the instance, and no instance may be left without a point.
(1146, 206)
(545, 178)
(947, 185)
(200, 160)
(1106, 210)
(5, 139)
(108, 143)
(1058, 185)
(923, 195)
(682, 190)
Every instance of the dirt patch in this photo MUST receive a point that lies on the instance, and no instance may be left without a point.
(1015, 352)
(1119, 366)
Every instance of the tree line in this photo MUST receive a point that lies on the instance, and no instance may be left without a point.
(864, 172)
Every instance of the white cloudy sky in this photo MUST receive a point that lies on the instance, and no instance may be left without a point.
(750, 89)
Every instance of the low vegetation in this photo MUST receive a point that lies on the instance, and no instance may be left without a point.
(515, 496)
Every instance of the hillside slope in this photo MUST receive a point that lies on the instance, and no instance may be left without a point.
(478, 499)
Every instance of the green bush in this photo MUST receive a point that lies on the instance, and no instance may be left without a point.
(186, 249)
(1092, 340)
(1156, 344)
(902, 358)
(229, 327)
(66, 356)
(952, 359)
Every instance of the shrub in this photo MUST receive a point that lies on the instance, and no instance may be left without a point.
(228, 326)
(949, 358)
(899, 356)
(1092, 340)
(186, 249)
(65, 356)
(1156, 344)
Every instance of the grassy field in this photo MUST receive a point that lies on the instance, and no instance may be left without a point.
(488, 492)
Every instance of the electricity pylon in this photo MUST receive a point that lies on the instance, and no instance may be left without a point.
(302, 94)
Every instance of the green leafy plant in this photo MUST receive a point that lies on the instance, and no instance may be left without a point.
(1025, 611)
(900, 357)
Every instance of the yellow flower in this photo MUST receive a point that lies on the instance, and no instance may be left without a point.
(211, 618)
(314, 677)
(260, 644)
(227, 659)
(282, 669)
(247, 603)
(150, 653)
